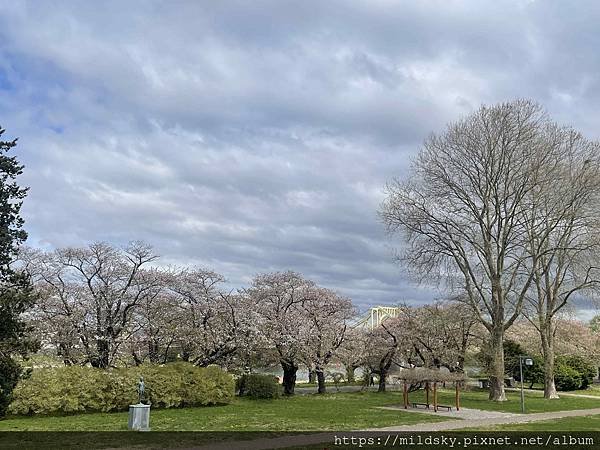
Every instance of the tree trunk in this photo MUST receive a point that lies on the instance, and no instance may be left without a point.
(350, 373)
(103, 354)
(153, 349)
(382, 377)
(136, 359)
(289, 377)
(311, 376)
(497, 365)
(321, 380)
(64, 352)
(185, 354)
(548, 355)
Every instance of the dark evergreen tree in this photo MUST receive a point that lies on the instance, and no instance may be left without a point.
(16, 293)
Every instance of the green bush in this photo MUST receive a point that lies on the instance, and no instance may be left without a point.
(77, 389)
(258, 386)
(566, 378)
(572, 373)
(586, 370)
(9, 377)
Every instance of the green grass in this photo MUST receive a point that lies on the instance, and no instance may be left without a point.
(242, 419)
(572, 424)
(534, 401)
(333, 411)
(594, 389)
(343, 411)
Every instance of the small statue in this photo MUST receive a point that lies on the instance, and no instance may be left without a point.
(141, 390)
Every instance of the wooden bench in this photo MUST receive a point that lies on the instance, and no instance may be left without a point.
(449, 408)
(415, 405)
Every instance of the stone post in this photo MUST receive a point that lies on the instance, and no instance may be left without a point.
(139, 417)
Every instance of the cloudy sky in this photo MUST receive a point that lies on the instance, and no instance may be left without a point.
(257, 136)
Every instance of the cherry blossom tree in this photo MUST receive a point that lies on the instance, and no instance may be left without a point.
(213, 323)
(572, 338)
(88, 297)
(386, 345)
(327, 317)
(276, 298)
(352, 352)
(439, 334)
(154, 331)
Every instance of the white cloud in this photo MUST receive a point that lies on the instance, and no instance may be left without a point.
(258, 136)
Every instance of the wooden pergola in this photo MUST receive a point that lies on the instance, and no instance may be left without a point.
(431, 378)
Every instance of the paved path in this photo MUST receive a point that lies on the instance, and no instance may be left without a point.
(473, 418)
(560, 394)
(486, 421)
(463, 413)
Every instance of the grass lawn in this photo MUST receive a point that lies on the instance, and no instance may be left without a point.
(594, 389)
(534, 401)
(341, 411)
(333, 411)
(573, 424)
(242, 419)
(248, 419)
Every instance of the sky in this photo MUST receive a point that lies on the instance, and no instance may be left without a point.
(257, 136)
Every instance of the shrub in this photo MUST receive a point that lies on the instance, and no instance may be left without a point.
(586, 370)
(259, 386)
(9, 376)
(77, 389)
(566, 378)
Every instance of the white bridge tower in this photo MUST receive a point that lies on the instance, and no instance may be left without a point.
(376, 315)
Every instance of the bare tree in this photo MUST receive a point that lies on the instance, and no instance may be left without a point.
(464, 210)
(564, 235)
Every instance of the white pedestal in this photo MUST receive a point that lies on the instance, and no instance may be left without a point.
(139, 417)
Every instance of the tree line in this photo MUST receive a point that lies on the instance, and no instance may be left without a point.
(105, 306)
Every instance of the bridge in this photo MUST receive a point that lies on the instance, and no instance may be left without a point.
(376, 315)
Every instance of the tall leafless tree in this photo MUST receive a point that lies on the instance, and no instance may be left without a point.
(464, 209)
(564, 234)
